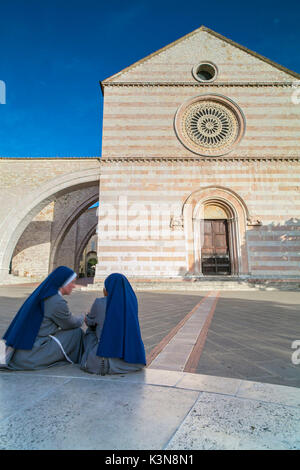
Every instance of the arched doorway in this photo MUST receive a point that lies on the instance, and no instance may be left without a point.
(216, 253)
(215, 220)
(91, 264)
(87, 258)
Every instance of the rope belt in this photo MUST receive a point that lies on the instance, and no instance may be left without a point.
(61, 347)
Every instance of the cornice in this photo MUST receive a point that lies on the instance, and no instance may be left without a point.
(50, 158)
(193, 159)
(155, 159)
(199, 85)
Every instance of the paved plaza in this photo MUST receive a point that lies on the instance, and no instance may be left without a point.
(220, 376)
(249, 337)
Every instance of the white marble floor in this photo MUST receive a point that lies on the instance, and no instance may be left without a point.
(65, 408)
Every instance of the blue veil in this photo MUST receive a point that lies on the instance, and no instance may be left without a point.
(121, 335)
(24, 328)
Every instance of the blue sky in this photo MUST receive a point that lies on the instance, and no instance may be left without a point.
(53, 54)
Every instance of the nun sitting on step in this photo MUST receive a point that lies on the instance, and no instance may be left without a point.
(113, 342)
(44, 333)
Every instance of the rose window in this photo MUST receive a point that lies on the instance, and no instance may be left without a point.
(209, 125)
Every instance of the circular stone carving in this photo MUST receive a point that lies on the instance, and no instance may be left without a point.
(209, 125)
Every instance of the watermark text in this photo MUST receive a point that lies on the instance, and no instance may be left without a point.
(2, 92)
(296, 354)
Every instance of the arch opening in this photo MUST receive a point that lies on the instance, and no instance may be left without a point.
(86, 257)
(31, 228)
(24, 211)
(215, 225)
(69, 222)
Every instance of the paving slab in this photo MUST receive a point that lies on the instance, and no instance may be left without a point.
(267, 392)
(18, 392)
(92, 414)
(70, 371)
(231, 423)
(209, 383)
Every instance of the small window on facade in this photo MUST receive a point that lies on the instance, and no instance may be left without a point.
(205, 72)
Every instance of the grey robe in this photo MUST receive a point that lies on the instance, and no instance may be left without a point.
(60, 323)
(92, 363)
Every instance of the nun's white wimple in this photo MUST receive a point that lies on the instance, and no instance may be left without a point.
(70, 279)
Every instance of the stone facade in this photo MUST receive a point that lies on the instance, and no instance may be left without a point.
(154, 188)
(267, 202)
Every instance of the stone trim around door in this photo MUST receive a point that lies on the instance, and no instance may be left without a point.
(237, 216)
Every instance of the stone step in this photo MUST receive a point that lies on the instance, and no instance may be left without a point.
(193, 285)
(204, 285)
(11, 279)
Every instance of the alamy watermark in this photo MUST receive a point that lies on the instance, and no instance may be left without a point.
(296, 354)
(296, 93)
(2, 92)
(136, 220)
(160, 220)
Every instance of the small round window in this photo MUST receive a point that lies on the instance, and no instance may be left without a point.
(205, 72)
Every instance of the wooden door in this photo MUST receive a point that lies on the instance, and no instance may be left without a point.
(215, 250)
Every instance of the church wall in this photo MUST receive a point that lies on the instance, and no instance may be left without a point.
(270, 190)
(138, 121)
(152, 166)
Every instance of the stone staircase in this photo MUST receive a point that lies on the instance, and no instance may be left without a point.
(193, 284)
(11, 279)
(206, 283)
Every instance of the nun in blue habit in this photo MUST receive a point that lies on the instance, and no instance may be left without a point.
(113, 342)
(44, 333)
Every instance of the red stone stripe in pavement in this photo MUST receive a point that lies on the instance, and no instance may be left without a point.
(194, 358)
(186, 340)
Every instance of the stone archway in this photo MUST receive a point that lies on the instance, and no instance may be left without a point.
(68, 223)
(26, 209)
(83, 244)
(237, 215)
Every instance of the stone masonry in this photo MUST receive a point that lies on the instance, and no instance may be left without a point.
(152, 185)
